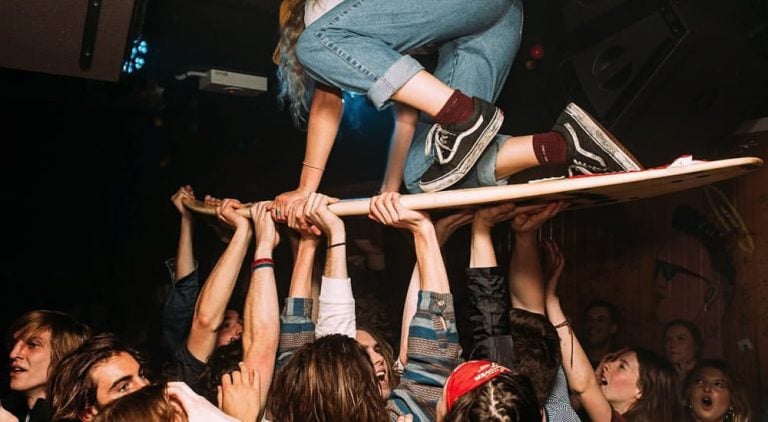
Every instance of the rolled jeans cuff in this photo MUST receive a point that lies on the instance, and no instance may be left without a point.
(393, 79)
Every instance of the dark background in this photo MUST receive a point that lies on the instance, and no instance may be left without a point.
(88, 167)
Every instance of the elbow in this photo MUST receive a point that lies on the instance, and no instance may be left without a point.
(206, 321)
(583, 386)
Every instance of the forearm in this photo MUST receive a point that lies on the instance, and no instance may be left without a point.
(217, 289)
(576, 365)
(214, 296)
(482, 254)
(526, 281)
(409, 309)
(262, 321)
(185, 258)
(324, 118)
(432, 273)
(301, 278)
(336, 256)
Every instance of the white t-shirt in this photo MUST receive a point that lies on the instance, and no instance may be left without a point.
(313, 9)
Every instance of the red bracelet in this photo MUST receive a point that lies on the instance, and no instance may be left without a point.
(261, 263)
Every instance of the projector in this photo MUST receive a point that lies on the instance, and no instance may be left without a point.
(232, 83)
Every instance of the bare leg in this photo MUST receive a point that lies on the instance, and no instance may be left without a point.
(424, 92)
(515, 155)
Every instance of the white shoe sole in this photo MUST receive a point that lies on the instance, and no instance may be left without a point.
(469, 161)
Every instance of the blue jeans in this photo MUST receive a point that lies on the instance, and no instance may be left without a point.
(358, 46)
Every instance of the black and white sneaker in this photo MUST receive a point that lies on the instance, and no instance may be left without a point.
(457, 148)
(591, 148)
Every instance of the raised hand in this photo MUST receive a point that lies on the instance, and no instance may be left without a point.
(553, 269)
(386, 209)
(287, 202)
(447, 226)
(316, 211)
(239, 394)
(184, 192)
(227, 213)
(264, 226)
(487, 217)
(531, 218)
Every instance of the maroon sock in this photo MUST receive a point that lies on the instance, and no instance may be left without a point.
(550, 148)
(457, 109)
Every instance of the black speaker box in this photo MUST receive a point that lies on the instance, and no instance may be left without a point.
(667, 77)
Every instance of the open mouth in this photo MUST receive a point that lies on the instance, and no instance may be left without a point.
(706, 402)
(381, 376)
(15, 370)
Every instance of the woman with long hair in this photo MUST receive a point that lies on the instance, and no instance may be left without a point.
(630, 385)
(683, 345)
(320, 108)
(713, 393)
(330, 379)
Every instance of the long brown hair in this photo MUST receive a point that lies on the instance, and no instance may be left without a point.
(507, 397)
(150, 404)
(295, 84)
(537, 349)
(739, 410)
(71, 390)
(67, 333)
(659, 400)
(331, 379)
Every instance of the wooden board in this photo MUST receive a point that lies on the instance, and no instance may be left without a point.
(580, 191)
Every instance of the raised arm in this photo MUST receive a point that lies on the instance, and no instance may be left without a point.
(444, 229)
(526, 281)
(433, 342)
(214, 296)
(337, 304)
(386, 209)
(179, 307)
(488, 299)
(185, 258)
(262, 321)
(578, 370)
(322, 127)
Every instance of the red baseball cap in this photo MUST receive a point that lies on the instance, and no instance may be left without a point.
(468, 376)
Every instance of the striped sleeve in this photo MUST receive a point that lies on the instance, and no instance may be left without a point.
(296, 327)
(433, 352)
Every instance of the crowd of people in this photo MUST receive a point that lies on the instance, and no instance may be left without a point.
(299, 363)
(315, 358)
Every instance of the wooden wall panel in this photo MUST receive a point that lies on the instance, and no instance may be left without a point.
(611, 253)
(749, 317)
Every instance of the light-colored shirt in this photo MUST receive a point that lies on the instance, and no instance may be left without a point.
(313, 9)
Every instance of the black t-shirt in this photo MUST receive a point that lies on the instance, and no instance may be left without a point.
(17, 405)
(185, 367)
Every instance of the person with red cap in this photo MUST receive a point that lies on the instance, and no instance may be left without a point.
(484, 390)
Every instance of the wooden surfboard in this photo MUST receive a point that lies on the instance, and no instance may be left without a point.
(579, 191)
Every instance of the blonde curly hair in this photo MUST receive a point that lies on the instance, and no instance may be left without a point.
(296, 86)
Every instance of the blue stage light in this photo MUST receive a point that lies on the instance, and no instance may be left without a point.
(137, 57)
